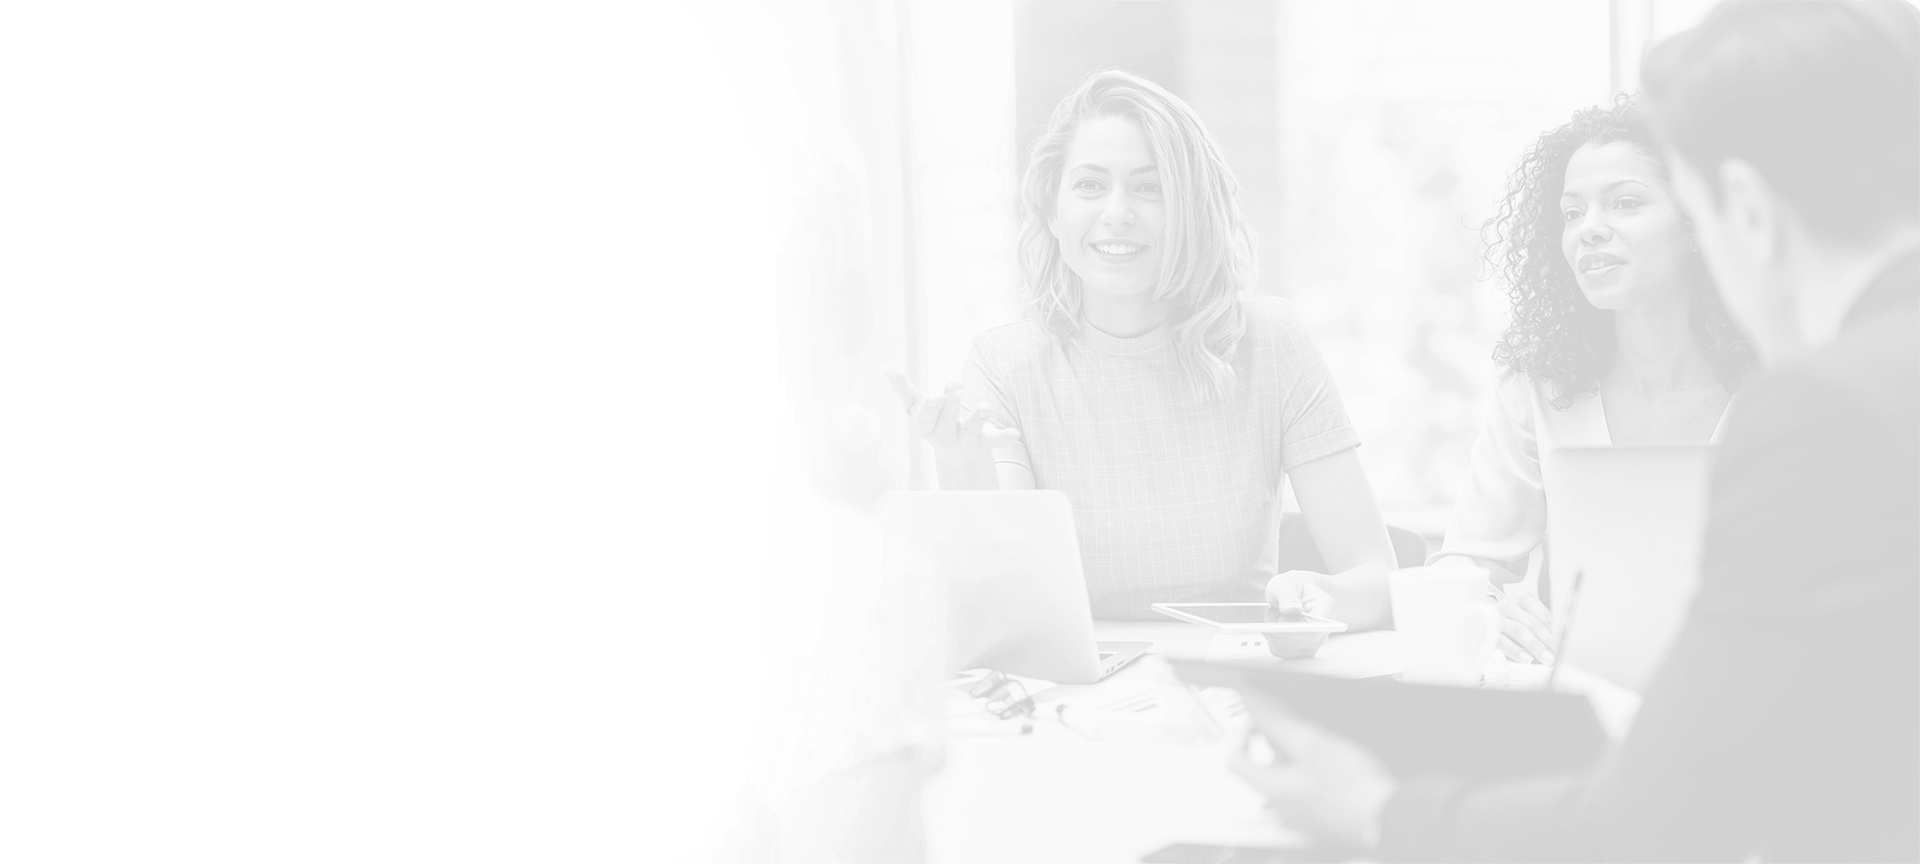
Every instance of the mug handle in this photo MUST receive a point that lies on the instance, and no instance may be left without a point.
(1490, 634)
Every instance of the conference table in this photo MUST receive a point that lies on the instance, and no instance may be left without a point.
(1060, 797)
(1120, 786)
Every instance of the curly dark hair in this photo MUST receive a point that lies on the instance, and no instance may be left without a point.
(1555, 335)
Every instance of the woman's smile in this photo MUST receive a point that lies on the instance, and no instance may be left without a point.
(1118, 251)
(1600, 266)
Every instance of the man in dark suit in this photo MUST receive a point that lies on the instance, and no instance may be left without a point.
(1785, 722)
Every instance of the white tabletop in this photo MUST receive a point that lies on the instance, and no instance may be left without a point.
(1118, 788)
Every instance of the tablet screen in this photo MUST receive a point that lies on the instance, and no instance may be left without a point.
(1237, 613)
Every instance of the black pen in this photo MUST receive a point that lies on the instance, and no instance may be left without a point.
(1560, 648)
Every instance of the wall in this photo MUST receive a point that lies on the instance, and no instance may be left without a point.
(1400, 123)
(1057, 44)
(1232, 71)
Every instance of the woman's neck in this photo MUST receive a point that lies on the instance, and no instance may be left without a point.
(1655, 351)
(1125, 317)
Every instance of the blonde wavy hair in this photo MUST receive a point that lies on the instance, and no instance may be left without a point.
(1210, 249)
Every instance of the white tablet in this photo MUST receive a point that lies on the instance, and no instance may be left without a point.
(1245, 618)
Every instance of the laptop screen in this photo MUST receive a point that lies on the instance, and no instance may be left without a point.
(1631, 519)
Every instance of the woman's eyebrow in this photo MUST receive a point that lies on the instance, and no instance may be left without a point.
(1089, 166)
(1568, 193)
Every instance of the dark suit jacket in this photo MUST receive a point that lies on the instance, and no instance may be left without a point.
(1786, 719)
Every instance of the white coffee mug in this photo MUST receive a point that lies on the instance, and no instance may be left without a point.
(1448, 625)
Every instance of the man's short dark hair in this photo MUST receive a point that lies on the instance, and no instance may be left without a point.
(1822, 97)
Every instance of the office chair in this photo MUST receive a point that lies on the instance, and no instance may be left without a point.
(1298, 552)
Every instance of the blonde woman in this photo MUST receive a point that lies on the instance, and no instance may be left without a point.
(1145, 383)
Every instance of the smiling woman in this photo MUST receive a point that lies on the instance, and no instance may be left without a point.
(1101, 175)
(1146, 383)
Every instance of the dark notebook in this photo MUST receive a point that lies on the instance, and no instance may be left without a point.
(1430, 729)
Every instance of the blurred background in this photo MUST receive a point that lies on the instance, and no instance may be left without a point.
(1371, 139)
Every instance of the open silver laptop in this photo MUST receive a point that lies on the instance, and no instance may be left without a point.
(1628, 521)
(1016, 598)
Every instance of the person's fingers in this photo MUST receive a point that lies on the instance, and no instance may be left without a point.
(1526, 599)
(923, 420)
(1243, 766)
(904, 389)
(1295, 646)
(999, 434)
(1000, 428)
(995, 414)
(1292, 597)
(946, 417)
(968, 430)
(1280, 783)
(1513, 650)
(1257, 751)
(1532, 606)
(1523, 635)
(1317, 602)
(925, 417)
(1287, 594)
(1268, 780)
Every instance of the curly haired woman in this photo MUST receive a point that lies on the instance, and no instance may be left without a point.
(1617, 338)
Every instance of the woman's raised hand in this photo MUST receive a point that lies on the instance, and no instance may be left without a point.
(947, 423)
